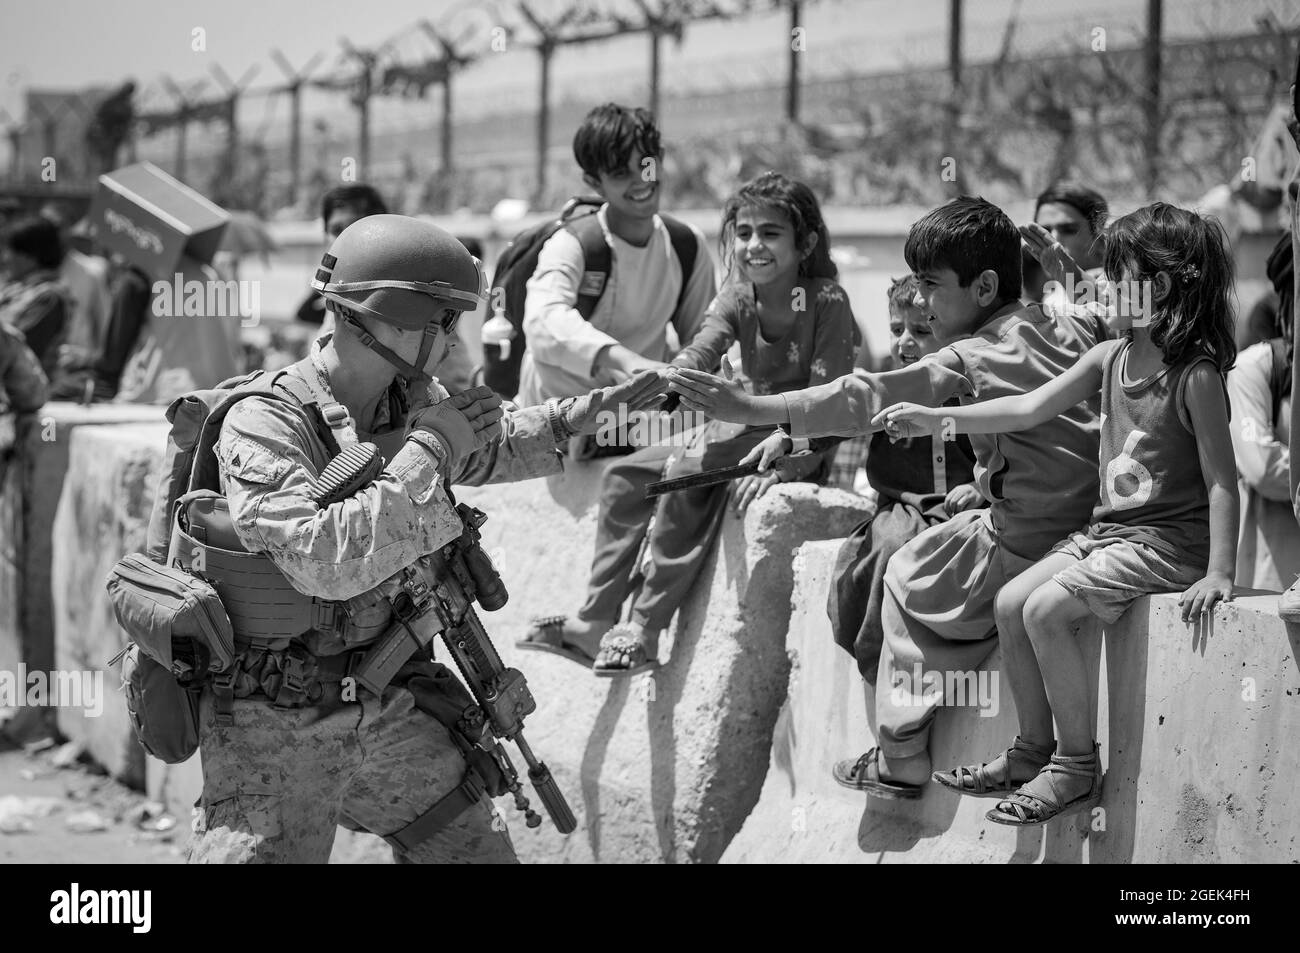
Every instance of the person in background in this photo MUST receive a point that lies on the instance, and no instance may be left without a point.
(34, 300)
(23, 388)
(1259, 388)
(1070, 216)
(129, 293)
(86, 279)
(339, 208)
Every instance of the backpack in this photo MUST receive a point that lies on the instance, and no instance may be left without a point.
(179, 632)
(518, 262)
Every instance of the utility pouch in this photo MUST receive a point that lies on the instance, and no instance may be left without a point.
(175, 617)
(163, 711)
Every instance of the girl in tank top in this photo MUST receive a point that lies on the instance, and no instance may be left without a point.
(1166, 520)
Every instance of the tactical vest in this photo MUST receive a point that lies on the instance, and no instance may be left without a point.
(266, 612)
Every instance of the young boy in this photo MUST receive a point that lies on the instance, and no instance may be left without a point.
(940, 588)
(919, 482)
(620, 155)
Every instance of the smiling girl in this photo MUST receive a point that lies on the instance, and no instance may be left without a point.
(793, 325)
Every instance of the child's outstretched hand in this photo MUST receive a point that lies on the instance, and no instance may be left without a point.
(1051, 254)
(751, 488)
(775, 445)
(1202, 596)
(722, 398)
(961, 498)
(908, 420)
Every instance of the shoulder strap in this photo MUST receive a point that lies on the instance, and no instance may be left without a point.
(1278, 379)
(596, 261)
(686, 248)
(329, 420)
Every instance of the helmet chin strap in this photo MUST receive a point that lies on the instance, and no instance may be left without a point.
(413, 373)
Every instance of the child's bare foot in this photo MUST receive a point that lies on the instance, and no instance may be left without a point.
(895, 778)
(575, 639)
(999, 776)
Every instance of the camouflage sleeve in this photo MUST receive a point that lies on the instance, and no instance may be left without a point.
(23, 387)
(268, 457)
(526, 450)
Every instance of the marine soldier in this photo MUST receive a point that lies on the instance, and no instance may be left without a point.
(291, 745)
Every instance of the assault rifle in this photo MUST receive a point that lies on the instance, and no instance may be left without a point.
(436, 596)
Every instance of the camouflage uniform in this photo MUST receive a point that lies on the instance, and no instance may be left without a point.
(278, 781)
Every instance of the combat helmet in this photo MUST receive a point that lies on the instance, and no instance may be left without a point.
(391, 268)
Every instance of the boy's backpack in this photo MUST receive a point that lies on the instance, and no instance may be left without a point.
(179, 630)
(519, 260)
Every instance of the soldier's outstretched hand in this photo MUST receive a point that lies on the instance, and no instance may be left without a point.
(464, 422)
(582, 414)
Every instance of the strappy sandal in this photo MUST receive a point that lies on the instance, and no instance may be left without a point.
(977, 781)
(622, 654)
(1026, 808)
(864, 775)
(546, 634)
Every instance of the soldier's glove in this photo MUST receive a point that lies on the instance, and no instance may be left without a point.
(582, 415)
(463, 423)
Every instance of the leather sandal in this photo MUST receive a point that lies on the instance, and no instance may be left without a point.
(978, 781)
(622, 654)
(1039, 801)
(864, 775)
(546, 634)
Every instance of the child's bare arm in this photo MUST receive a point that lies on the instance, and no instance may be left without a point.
(1208, 411)
(842, 407)
(1002, 414)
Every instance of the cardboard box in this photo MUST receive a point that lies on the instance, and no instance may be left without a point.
(153, 220)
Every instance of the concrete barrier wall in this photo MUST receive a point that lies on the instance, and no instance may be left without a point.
(657, 768)
(28, 499)
(103, 513)
(1197, 727)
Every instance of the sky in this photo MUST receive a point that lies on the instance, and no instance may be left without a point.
(78, 43)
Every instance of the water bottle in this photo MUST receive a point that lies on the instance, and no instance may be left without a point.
(498, 331)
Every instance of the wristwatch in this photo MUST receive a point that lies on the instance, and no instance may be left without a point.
(560, 428)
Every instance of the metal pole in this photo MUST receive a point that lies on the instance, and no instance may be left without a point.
(543, 120)
(446, 123)
(232, 141)
(181, 129)
(295, 142)
(654, 72)
(954, 73)
(1155, 11)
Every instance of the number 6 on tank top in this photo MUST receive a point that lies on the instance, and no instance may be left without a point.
(1128, 482)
